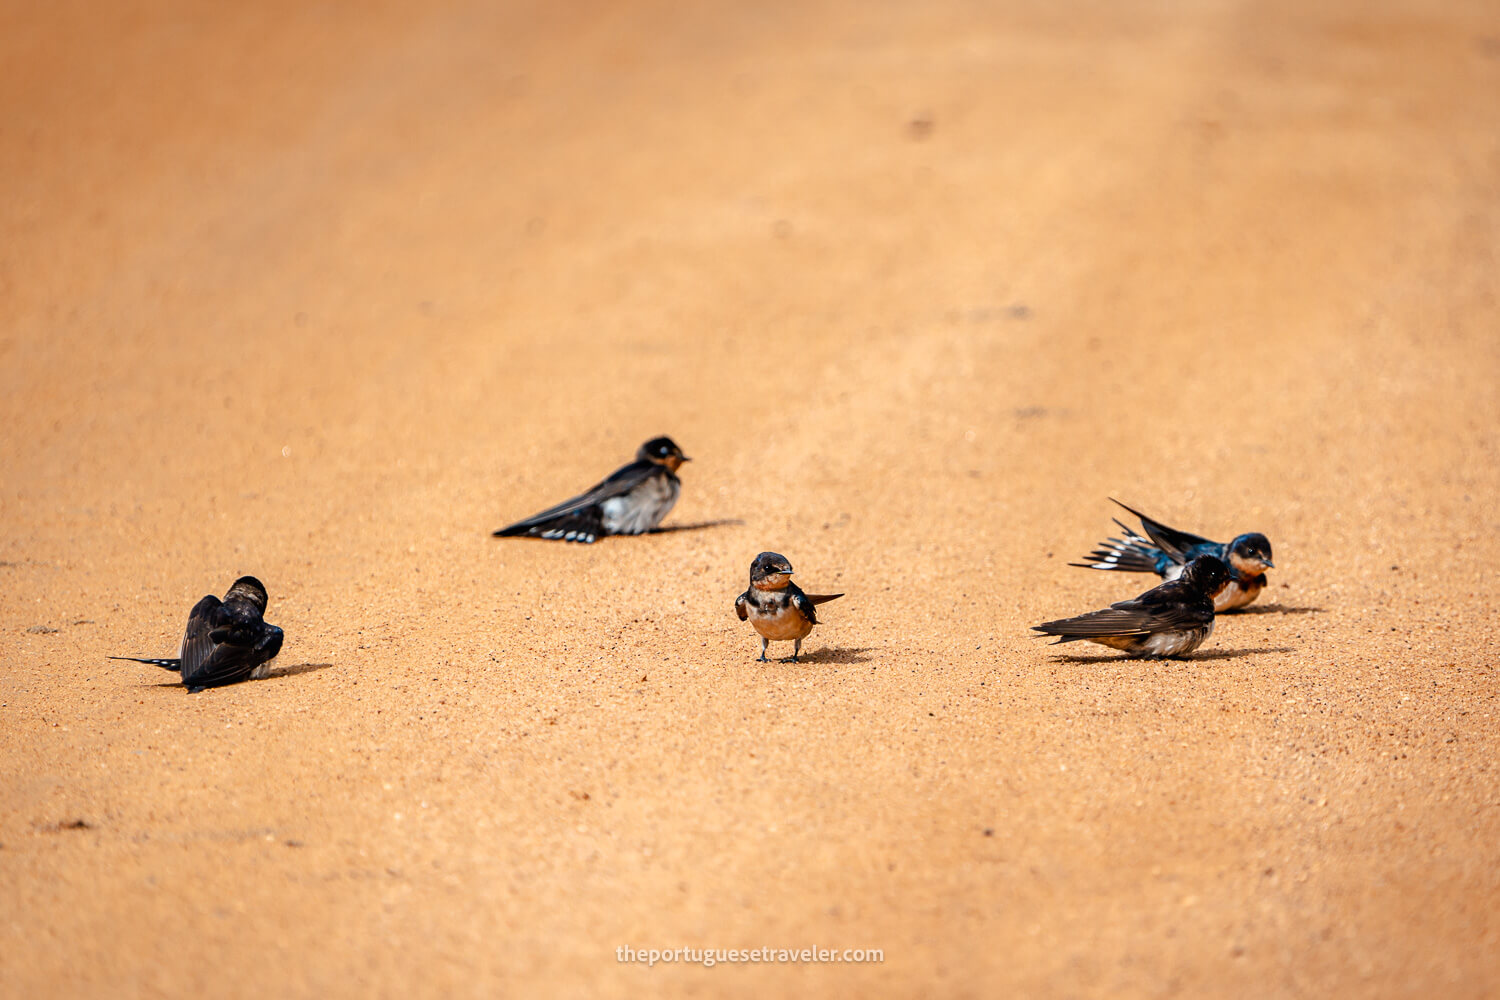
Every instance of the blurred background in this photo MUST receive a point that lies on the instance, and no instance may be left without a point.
(327, 292)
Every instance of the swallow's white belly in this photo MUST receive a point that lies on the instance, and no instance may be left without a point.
(1172, 643)
(1237, 594)
(642, 508)
(1175, 643)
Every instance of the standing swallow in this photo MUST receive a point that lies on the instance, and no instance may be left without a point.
(1170, 619)
(633, 500)
(226, 641)
(776, 606)
(1168, 550)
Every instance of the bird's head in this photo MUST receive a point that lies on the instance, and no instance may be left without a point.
(770, 571)
(1250, 555)
(1208, 574)
(662, 451)
(248, 588)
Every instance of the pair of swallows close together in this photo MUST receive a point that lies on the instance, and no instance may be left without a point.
(229, 640)
(635, 498)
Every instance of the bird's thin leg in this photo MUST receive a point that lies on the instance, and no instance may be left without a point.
(796, 650)
(764, 642)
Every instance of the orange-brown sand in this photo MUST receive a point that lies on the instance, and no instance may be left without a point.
(326, 293)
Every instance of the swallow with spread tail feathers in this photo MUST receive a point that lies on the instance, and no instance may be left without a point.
(1168, 550)
(632, 501)
(1170, 619)
(226, 641)
(776, 607)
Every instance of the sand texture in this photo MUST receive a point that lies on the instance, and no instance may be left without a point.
(327, 292)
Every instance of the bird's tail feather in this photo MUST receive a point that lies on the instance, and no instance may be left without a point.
(1132, 554)
(823, 598)
(169, 664)
(578, 526)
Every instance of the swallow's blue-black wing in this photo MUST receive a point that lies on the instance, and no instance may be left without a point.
(239, 648)
(197, 642)
(806, 605)
(1179, 545)
(580, 518)
(1168, 607)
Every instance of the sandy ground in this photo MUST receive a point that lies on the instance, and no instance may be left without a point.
(325, 293)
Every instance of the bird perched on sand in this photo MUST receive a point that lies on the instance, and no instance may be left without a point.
(777, 607)
(1169, 550)
(632, 501)
(1170, 619)
(226, 641)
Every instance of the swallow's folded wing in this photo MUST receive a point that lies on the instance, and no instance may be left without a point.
(580, 513)
(804, 605)
(1097, 624)
(1153, 611)
(231, 660)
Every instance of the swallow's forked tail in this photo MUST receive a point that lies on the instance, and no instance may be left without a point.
(1133, 554)
(583, 526)
(823, 598)
(169, 664)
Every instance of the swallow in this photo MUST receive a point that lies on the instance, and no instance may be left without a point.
(1168, 550)
(1170, 619)
(632, 501)
(777, 607)
(226, 641)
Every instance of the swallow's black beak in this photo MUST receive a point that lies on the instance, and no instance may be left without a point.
(1269, 563)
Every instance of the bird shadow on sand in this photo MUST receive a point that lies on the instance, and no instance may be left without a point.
(1212, 654)
(697, 525)
(277, 673)
(836, 654)
(294, 669)
(1274, 609)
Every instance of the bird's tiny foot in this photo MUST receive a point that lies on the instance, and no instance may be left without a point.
(789, 659)
(762, 659)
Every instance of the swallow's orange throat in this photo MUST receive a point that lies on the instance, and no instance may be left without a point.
(1246, 567)
(776, 581)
